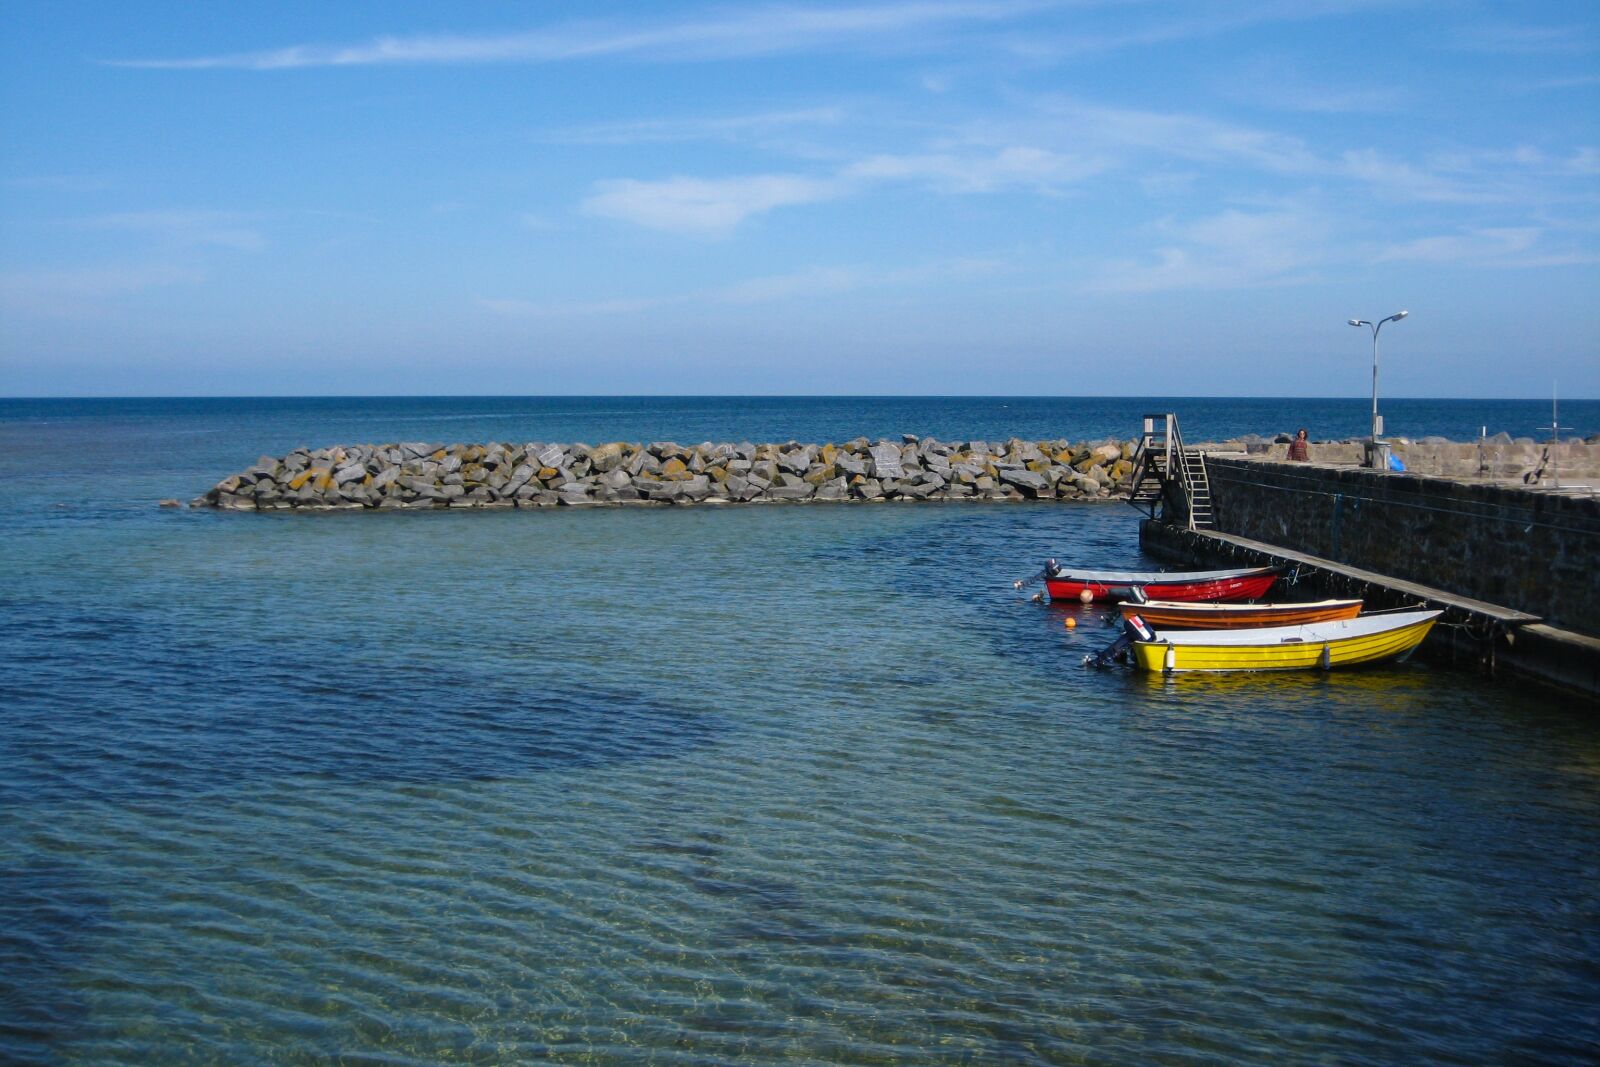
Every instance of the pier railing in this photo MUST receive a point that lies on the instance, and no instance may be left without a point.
(1170, 477)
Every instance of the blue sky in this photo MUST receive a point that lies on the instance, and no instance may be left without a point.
(923, 197)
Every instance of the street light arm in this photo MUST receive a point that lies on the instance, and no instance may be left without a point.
(1375, 327)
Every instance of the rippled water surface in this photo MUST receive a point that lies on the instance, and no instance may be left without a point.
(739, 785)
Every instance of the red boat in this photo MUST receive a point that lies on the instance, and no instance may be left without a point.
(1244, 584)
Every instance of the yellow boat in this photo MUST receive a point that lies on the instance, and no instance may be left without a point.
(1342, 643)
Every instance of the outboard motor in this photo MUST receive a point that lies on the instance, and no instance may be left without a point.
(1049, 571)
(1134, 629)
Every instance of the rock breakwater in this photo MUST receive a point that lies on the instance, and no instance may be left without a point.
(497, 475)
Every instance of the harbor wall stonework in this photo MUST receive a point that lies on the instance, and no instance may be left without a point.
(422, 475)
(1497, 457)
(1533, 550)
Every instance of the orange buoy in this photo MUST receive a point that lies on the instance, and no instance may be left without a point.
(1072, 624)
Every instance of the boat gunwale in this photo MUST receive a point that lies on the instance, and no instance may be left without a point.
(1314, 633)
(1228, 607)
(1122, 578)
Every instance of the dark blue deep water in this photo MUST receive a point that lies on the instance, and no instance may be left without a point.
(738, 785)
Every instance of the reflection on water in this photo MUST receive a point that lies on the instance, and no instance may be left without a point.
(742, 786)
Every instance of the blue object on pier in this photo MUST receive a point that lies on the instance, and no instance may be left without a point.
(1394, 463)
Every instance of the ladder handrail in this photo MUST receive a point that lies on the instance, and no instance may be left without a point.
(1195, 486)
(1192, 486)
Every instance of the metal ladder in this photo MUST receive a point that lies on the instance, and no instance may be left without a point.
(1165, 464)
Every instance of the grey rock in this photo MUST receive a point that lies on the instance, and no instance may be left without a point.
(518, 478)
(886, 461)
(607, 457)
(658, 490)
(798, 461)
(792, 491)
(1023, 478)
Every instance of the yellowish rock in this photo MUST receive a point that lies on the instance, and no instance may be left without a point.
(673, 466)
(307, 475)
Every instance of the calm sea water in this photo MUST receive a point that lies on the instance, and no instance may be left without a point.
(740, 785)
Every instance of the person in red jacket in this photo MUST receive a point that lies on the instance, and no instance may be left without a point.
(1300, 448)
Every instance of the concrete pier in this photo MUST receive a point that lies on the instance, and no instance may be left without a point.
(1515, 569)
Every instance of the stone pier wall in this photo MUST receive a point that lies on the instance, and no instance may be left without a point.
(1499, 457)
(498, 475)
(1533, 550)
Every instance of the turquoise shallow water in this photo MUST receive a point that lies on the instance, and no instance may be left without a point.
(749, 785)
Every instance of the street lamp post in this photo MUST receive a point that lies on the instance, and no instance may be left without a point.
(1377, 423)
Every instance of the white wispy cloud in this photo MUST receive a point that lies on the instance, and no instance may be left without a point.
(716, 206)
(1122, 137)
(1159, 24)
(1473, 246)
(83, 291)
(1280, 83)
(702, 206)
(795, 285)
(1500, 247)
(223, 229)
(1014, 166)
(1408, 181)
(723, 128)
(1229, 250)
(1523, 38)
(1197, 138)
(731, 33)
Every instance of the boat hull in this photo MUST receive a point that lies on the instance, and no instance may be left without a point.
(1226, 616)
(1245, 586)
(1282, 653)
